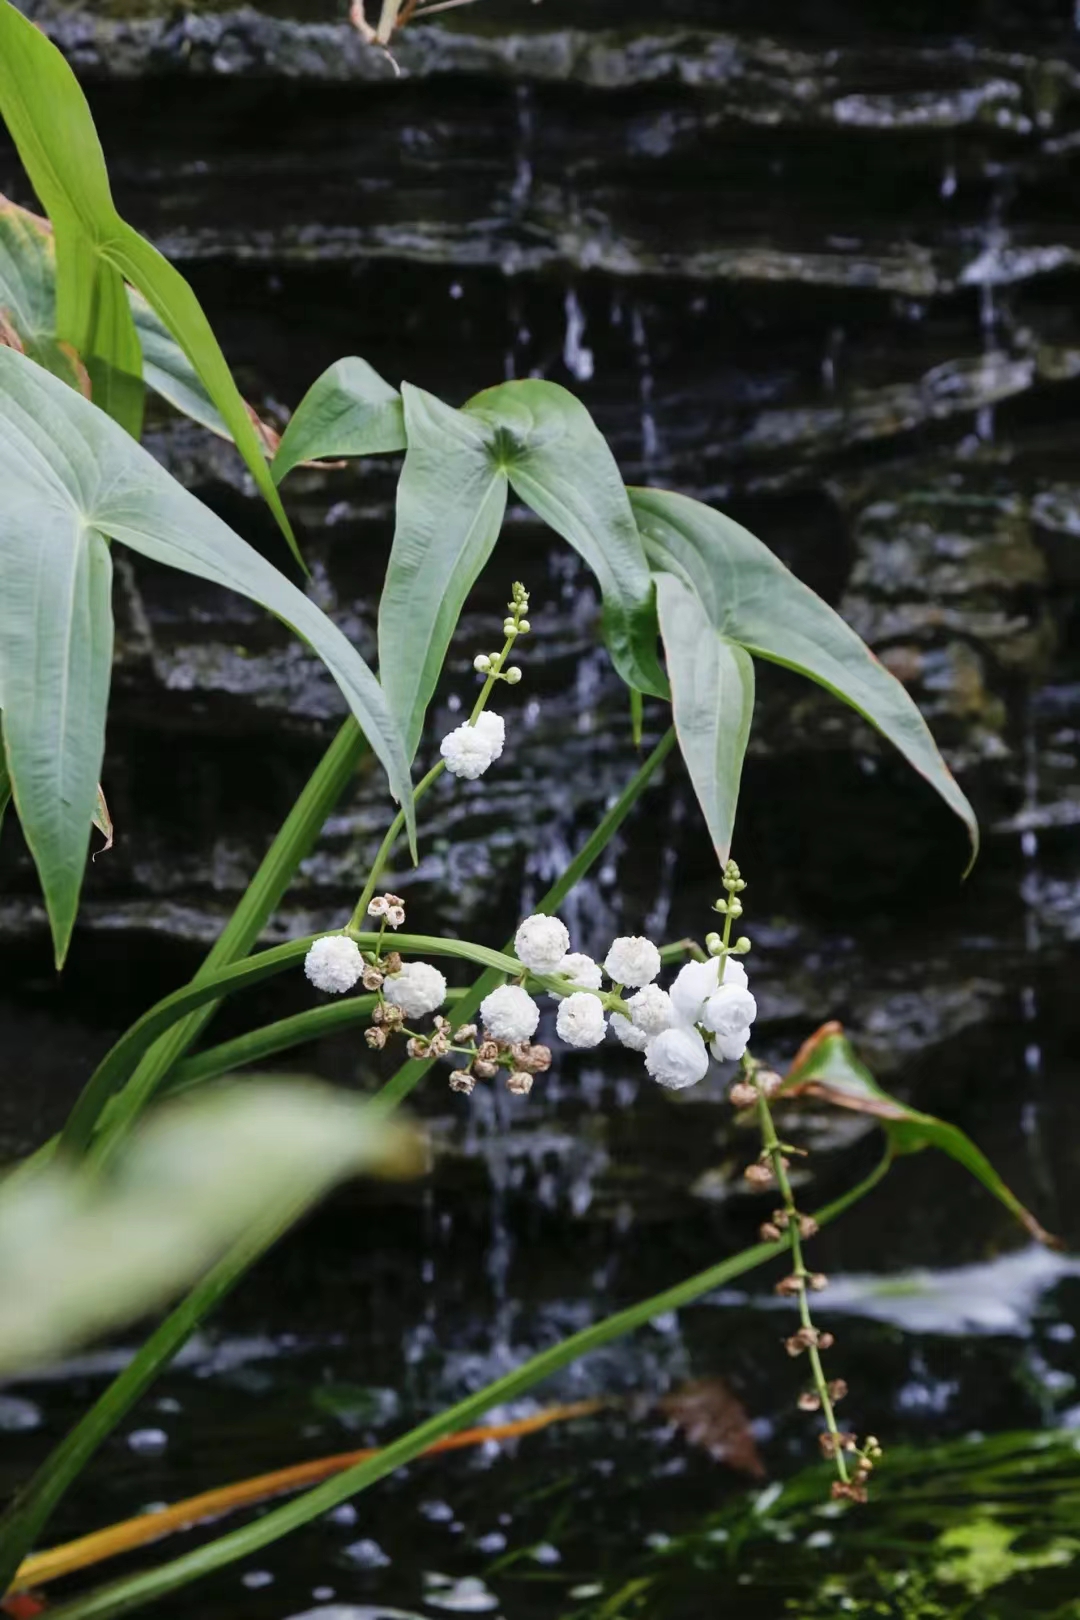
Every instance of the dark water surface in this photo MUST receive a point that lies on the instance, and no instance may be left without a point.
(822, 270)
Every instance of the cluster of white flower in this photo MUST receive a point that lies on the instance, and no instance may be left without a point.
(708, 1002)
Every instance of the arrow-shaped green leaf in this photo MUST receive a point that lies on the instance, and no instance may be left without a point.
(97, 251)
(712, 697)
(451, 500)
(348, 411)
(69, 479)
(752, 599)
(829, 1068)
(560, 465)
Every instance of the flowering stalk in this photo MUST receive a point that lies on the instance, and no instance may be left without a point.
(795, 1225)
(493, 665)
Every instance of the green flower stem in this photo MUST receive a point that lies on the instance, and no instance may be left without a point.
(397, 826)
(119, 1064)
(411, 1073)
(29, 1511)
(793, 1240)
(129, 1593)
(393, 833)
(293, 843)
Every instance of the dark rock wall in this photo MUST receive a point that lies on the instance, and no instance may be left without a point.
(816, 264)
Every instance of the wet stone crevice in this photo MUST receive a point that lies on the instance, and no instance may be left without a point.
(819, 270)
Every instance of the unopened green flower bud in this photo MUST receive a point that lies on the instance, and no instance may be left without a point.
(524, 627)
(509, 626)
(481, 663)
(741, 946)
(513, 675)
(713, 944)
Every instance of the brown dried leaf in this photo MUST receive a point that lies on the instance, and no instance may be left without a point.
(9, 337)
(712, 1418)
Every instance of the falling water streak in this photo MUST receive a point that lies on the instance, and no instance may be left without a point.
(577, 359)
(650, 439)
(1031, 1120)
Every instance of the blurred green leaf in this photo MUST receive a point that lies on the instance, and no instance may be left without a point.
(96, 251)
(451, 499)
(348, 411)
(753, 600)
(829, 1068)
(68, 480)
(560, 465)
(712, 697)
(82, 1252)
(5, 781)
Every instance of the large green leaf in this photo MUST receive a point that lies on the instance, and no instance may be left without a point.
(5, 780)
(28, 293)
(81, 1252)
(559, 463)
(829, 1068)
(97, 251)
(451, 500)
(712, 698)
(348, 411)
(754, 600)
(69, 478)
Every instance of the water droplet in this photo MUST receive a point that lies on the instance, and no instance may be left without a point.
(256, 1578)
(366, 1554)
(148, 1442)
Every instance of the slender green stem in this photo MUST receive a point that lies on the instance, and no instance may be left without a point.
(129, 1593)
(393, 833)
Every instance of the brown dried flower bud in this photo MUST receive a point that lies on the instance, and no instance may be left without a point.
(540, 1059)
(759, 1175)
(464, 1032)
(825, 1341)
(442, 1025)
(371, 978)
(837, 1389)
(800, 1341)
(416, 1047)
(378, 906)
(485, 1071)
(809, 1401)
(789, 1285)
(808, 1227)
(378, 1013)
(818, 1281)
(395, 916)
(392, 962)
(489, 1050)
(780, 1218)
(520, 1083)
(768, 1233)
(742, 1095)
(393, 1017)
(461, 1080)
(438, 1046)
(849, 1493)
(769, 1081)
(375, 1037)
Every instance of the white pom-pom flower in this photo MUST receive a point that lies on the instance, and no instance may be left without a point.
(730, 1009)
(580, 1020)
(541, 943)
(510, 1014)
(467, 751)
(651, 1010)
(334, 964)
(418, 989)
(581, 970)
(632, 960)
(628, 1033)
(697, 981)
(492, 727)
(677, 1057)
(725, 1048)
